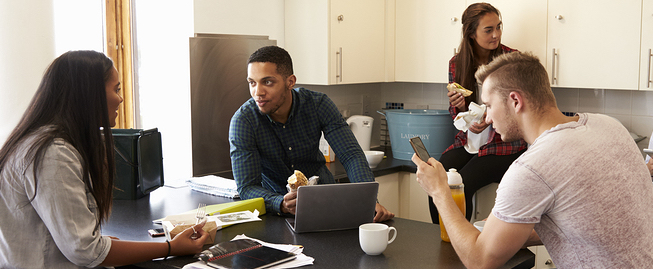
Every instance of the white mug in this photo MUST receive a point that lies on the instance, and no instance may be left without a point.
(374, 237)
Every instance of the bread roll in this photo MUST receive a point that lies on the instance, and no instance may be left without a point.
(455, 87)
(296, 180)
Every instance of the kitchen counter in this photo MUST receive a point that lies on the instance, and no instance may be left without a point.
(387, 166)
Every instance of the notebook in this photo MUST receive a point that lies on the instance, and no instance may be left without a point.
(243, 254)
(333, 207)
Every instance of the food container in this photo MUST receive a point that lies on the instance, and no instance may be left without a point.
(434, 127)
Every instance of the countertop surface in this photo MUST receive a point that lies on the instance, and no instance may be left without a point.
(387, 166)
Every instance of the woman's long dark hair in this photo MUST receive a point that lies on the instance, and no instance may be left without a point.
(72, 100)
(466, 63)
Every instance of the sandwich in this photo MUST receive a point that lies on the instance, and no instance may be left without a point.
(296, 180)
(455, 87)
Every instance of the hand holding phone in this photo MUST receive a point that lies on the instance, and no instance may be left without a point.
(419, 148)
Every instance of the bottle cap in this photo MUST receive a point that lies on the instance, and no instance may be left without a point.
(454, 177)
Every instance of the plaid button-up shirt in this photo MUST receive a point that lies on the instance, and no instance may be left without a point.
(264, 153)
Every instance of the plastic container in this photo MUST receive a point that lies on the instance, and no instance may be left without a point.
(139, 162)
(434, 127)
(458, 192)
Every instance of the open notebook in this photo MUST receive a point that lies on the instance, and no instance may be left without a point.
(334, 206)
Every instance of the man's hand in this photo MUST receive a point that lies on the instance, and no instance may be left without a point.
(382, 214)
(432, 177)
(289, 204)
(649, 164)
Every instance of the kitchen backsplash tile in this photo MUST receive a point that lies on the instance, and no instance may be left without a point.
(591, 100)
(634, 109)
(642, 103)
(566, 98)
(618, 102)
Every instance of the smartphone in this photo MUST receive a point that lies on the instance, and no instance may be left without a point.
(156, 232)
(419, 148)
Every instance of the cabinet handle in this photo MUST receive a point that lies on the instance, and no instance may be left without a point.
(339, 65)
(559, 17)
(648, 74)
(548, 262)
(454, 19)
(341, 18)
(554, 75)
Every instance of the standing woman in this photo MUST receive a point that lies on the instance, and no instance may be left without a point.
(479, 155)
(57, 171)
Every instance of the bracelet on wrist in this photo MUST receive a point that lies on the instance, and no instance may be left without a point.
(168, 250)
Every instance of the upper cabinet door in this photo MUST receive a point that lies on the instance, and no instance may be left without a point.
(524, 25)
(336, 41)
(427, 35)
(357, 41)
(594, 44)
(646, 58)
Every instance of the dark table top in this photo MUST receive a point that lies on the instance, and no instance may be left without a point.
(417, 245)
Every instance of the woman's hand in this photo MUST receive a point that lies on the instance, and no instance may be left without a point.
(478, 127)
(183, 244)
(457, 100)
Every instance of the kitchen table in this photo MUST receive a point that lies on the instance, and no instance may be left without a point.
(417, 245)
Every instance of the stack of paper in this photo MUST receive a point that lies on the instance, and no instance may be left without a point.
(214, 185)
(301, 259)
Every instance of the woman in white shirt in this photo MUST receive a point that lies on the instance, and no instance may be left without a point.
(57, 170)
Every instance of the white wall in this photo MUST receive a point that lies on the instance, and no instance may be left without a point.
(244, 17)
(26, 48)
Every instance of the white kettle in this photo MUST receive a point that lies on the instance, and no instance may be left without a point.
(361, 126)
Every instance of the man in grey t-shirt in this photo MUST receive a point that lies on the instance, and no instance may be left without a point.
(582, 188)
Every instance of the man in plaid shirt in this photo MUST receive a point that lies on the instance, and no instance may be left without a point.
(278, 131)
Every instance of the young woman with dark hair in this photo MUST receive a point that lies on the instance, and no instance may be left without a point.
(479, 155)
(57, 170)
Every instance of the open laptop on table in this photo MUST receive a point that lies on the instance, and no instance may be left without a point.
(333, 207)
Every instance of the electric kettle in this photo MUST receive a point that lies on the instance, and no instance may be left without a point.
(361, 126)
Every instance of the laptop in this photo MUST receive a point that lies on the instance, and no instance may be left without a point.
(332, 207)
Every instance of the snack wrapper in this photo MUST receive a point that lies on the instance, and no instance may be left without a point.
(464, 120)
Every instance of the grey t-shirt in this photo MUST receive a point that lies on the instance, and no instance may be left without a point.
(57, 228)
(587, 189)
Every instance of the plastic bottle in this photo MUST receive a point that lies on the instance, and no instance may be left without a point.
(458, 193)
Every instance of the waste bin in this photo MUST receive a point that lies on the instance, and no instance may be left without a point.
(139, 162)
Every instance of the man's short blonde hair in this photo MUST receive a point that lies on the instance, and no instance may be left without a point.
(521, 72)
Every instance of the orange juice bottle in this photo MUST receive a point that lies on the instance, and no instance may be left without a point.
(458, 193)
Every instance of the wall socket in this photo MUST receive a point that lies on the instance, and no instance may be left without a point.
(366, 105)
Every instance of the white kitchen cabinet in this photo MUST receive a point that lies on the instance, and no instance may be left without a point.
(594, 44)
(646, 57)
(336, 41)
(428, 34)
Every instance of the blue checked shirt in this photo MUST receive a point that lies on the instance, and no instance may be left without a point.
(264, 153)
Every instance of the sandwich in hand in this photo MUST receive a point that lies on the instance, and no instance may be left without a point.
(296, 180)
(455, 87)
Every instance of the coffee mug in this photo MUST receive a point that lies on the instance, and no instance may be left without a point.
(374, 237)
